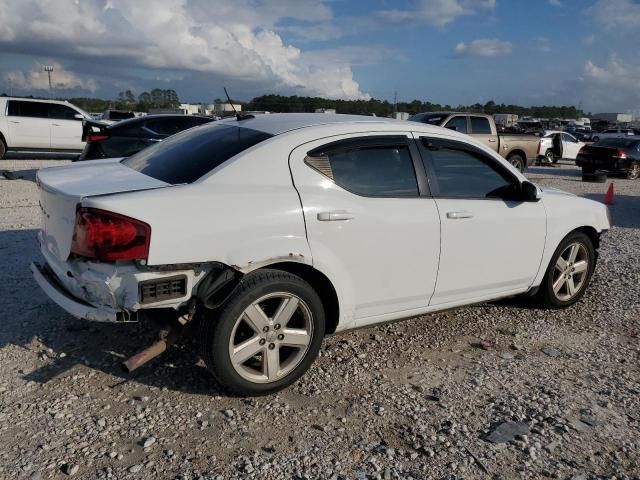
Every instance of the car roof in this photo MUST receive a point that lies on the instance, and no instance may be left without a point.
(41, 100)
(144, 118)
(278, 123)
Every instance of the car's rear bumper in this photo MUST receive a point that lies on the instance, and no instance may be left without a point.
(621, 165)
(75, 307)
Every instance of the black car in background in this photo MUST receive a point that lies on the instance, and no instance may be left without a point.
(127, 137)
(619, 156)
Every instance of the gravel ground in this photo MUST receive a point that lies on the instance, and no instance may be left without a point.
(558, 392)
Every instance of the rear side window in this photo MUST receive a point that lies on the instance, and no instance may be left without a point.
(167, 126)
(21, 108)
(187, 156)
(369, 170)
(480, 125)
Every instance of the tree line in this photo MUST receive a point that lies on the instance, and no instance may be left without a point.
(279, 103)
(159, 98)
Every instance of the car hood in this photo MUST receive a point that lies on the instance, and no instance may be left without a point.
(556, 192)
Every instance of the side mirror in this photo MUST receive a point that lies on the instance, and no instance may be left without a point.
(530, 192)
(79, 116)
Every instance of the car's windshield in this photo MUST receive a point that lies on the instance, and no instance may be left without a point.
(187, 156)
(430, 118)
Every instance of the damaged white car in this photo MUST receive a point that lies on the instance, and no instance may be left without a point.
(269, 233)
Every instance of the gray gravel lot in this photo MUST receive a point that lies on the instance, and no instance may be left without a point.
(558, 391)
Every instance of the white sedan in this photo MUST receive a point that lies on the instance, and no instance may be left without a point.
(269, 233)
(555, 145)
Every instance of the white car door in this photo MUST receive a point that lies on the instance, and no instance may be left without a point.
(66, 129)
(28, 124)
(571, 146)
(492, 242)
(370, 227)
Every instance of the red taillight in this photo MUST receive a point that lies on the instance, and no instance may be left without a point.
(619, 154)
(109, 236)
(581, 151)
(91, 138)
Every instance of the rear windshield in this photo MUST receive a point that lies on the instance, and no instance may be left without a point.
(618, 142)
(187, 156)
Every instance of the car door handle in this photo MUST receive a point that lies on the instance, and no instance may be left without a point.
(336, 215)
(492, 140)
(154, 139)
(14, 121)
(459, 215)
(56, 125)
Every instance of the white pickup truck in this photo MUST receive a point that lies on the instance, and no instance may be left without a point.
(35, 125)
(520, 150)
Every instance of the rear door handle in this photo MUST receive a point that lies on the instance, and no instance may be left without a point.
(493, 140)
(14, 121)
(459, 215)
(335, 215)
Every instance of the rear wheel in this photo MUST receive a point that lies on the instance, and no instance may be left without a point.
(569, 272)
(517, 161)
(596, 139)
(3, 149)
(549, 157)
(634, 171)
(266, 335)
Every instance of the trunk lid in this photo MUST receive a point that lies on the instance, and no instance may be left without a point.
(599, 152)
(63, 188)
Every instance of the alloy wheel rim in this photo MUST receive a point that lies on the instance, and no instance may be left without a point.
(635, 171)
(516, 163)
(271, 337)
(549, 156)
(570, 271)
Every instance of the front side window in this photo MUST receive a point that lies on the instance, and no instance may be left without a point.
(167, 126)
(369, 170)
(189, 155)
(456, 171)
(459, 124)
(480, 125)
(61, 112)
(568, 138)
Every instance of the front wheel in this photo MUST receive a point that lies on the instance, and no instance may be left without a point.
(549, 157)
(267, 334)
(595, 139)
(569, 272)
(3, 149)
(517, 161)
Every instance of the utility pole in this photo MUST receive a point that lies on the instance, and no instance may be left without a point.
(48, 69)
(395, 102)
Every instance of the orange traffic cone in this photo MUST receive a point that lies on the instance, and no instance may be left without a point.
(608, 197)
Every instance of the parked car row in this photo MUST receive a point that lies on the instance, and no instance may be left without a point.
(52, 126)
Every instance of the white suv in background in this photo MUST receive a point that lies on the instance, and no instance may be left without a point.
(613, 133)
(29, 124)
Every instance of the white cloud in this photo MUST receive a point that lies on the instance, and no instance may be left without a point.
(483, 47)
(613, 14)
(542, 44)
(555, 3)
(589, 39)
(38, 79)
(439, 12)
(612, 86)
(236, 41)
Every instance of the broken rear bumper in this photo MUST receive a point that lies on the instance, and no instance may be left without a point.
(66, 301)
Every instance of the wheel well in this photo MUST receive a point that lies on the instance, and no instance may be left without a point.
(321, 284)
(520, 153)
(3, 140)
(593, 235)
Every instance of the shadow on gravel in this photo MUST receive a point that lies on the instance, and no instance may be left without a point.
(29, 175)
(556, 172)
(33, 322)
(625, 211)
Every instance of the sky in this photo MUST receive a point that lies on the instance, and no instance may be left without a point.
(526, 52)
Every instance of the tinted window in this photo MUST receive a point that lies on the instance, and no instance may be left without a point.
(22, 108)
(187, 156)
(459, 124)
(480, 125)
(61, 112)
(374, 171)
(568, 138)
(167, 126)
(617, 142)
(459, 172)
(430, 118)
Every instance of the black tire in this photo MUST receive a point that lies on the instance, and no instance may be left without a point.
(3, 149)
(634, 171)
(549, 157)
(216, 328)
(546, 295)
(517, 161)
(595, 139)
